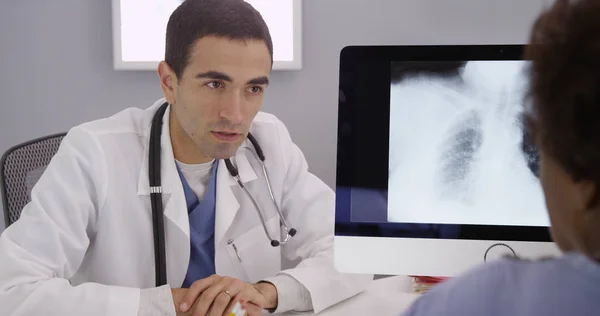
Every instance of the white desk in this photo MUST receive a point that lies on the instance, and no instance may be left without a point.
(384, 297)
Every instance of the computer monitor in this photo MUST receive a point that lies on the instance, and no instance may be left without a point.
(436, 172)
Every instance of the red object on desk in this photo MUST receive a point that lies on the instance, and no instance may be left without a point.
(422, 284)
(428, 279)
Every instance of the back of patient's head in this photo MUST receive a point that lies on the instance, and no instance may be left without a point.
(565, 115)
(195, 19)
(565, 84)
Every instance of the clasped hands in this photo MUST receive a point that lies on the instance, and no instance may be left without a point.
(216, 296)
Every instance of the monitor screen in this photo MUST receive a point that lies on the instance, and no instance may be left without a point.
(458, 148)
(434, 160)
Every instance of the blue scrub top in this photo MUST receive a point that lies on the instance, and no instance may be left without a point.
(202, 229)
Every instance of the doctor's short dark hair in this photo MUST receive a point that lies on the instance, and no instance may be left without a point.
(195, 19)
(565, 86)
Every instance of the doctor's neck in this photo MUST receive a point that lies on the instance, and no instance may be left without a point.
(185, 149)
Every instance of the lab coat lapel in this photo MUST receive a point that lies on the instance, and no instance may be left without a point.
(227, 204)
(173, 196)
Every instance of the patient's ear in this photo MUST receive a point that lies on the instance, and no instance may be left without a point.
(588, 196)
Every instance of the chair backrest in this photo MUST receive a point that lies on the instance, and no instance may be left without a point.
(20, 169)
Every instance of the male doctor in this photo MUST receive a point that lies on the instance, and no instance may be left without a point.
(84, 245)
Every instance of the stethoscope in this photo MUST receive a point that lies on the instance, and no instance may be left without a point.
(156, 195)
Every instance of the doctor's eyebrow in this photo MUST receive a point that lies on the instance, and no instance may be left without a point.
(217, 75)
(259, 81)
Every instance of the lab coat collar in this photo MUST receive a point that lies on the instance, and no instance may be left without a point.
(168, 170)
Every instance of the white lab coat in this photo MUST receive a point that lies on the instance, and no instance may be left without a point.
(84, 245)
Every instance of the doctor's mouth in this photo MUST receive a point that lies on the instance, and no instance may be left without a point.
(226, 136)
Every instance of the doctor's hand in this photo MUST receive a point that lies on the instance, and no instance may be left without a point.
(216, 296)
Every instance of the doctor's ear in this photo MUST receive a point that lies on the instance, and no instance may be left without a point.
(168, 81)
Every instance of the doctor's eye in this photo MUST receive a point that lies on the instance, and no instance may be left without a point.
(255, 89)
(214, 85)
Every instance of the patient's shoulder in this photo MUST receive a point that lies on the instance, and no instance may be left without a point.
(485, 288)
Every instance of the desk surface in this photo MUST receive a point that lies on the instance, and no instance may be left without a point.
(384, 297)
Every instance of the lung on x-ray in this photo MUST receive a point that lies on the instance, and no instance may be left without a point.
(459, 148)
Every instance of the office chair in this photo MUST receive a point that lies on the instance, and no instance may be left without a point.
(20, 169)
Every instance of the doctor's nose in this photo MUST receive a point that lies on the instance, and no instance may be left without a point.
(232, 108)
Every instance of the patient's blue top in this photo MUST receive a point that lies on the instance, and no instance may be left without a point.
(202, 229)
(569, 285)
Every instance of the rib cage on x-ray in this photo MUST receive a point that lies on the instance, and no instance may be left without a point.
(458, 150)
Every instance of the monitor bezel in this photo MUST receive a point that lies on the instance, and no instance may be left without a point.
(365, 76)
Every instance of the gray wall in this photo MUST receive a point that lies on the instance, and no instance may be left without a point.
(56, 61)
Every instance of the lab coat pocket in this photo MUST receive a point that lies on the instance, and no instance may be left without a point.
(236, 260)
(256, 258)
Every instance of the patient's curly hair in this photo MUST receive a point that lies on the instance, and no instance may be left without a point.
(565, 86)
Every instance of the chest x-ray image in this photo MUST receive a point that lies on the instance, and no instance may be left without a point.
(459, 150)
